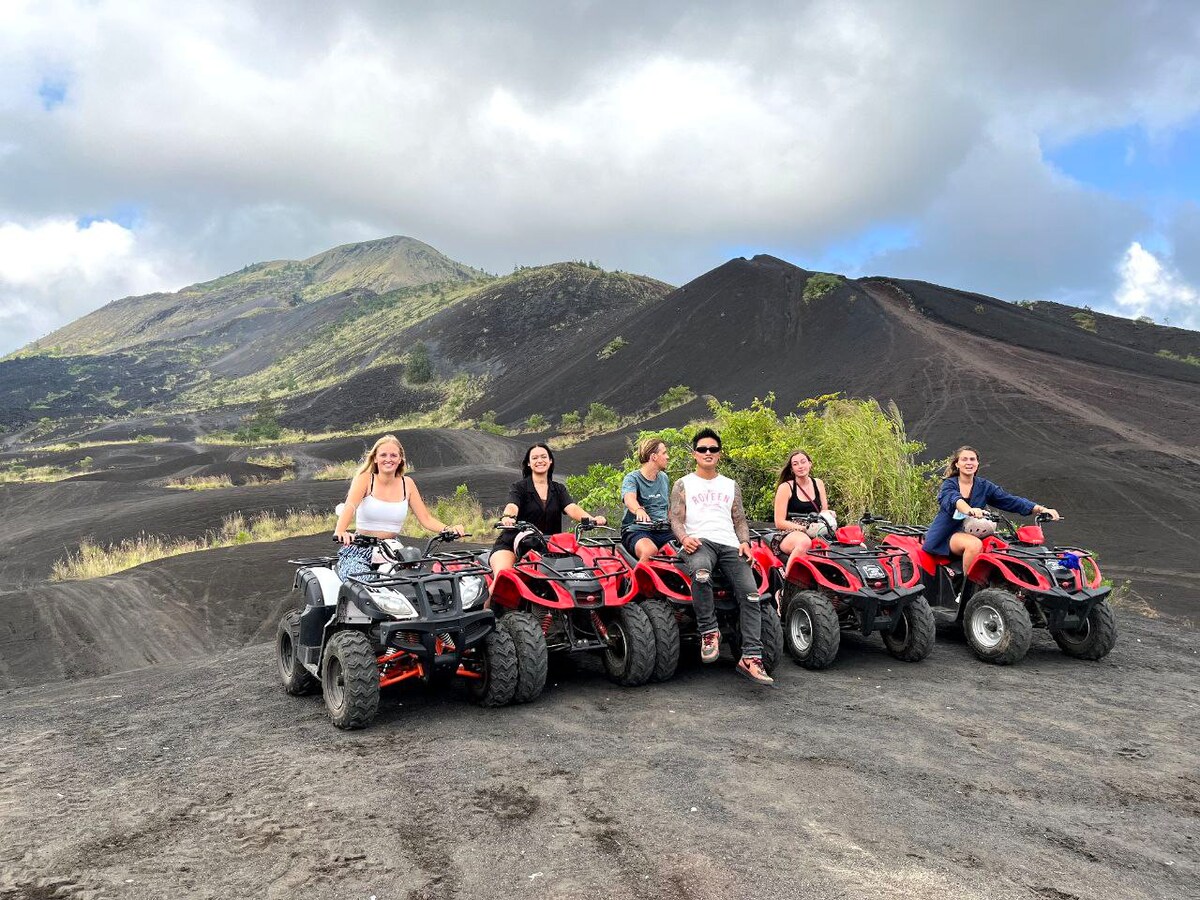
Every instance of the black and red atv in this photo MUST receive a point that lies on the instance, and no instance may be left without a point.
(1016, 584)
(845, 583)
(566, 597)
(413, 616)
(666, 591)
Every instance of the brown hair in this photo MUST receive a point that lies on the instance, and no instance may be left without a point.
(951, 470)
(647, 447)
(785, 474)
(369, 464)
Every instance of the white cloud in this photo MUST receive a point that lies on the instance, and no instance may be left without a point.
(1151, 288)
(649, 137)
(54, 271)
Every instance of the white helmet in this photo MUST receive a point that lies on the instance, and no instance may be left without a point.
(824, 527)
(979, 528)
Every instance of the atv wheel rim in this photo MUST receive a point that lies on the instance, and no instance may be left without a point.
(987, 627)
(287, 654)
(335, 678)
(1077, 635)
(800, 627)
(618, 646)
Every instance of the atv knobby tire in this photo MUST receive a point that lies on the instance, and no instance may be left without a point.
(498, 684)
(997, 627)
(912, 638)
(631, 653)
(350, 680)
(811, 633)
(666, 638)
(1094, 639)
(772, 637)
(296, 679)
(532, 657)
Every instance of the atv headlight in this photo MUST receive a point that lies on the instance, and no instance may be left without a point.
(394, 603)
(873, 572)
(471, 589)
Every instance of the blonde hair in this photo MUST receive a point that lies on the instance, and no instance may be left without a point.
(369, 464)
(646, 448)
(951, 470)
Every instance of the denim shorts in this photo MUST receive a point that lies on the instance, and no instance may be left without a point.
(633, 535)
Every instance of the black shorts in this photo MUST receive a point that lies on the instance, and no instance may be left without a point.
(633, 535)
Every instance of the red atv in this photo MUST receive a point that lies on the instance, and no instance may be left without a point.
(666, 593)
(1016, 584)
(845, 583)
(564, 597)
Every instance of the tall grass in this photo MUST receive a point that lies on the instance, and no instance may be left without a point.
(217, 482)
(460, 508)
(272, 460)
(21, 474)
(94, 561)
(342, 471)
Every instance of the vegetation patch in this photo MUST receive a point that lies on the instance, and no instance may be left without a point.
(85, 445)
(858, 448)
(342, 471)
(820, 284)
(460, 508)
(272, 460)
(1189, 359)
(458, 393)
(613, 347)
(18, 473)
(1085, 320)
(95, 561)
(217, 482)
(675, 396)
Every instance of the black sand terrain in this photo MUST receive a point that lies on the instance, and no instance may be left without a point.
(188, 772)
(149, 752)
(1107, 433)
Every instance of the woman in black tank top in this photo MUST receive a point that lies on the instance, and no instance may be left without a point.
(796, 494)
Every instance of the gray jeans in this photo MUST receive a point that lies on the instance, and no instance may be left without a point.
(708, 558)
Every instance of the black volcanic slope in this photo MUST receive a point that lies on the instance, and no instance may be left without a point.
(1106, 433)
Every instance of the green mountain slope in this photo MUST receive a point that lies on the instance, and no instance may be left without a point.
(264, 289)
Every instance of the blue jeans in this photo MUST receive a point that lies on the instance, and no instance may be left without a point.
(710, 557)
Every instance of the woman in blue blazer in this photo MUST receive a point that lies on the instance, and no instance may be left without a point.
(963, 495)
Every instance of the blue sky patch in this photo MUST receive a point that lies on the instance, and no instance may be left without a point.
(1132, 163)
(846, 256)
(127, 215)
(53, 93)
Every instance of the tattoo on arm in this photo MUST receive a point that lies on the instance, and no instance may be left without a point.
(678, 512)
(740, 526)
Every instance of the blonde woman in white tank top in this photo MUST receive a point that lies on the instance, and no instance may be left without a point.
(381, 496)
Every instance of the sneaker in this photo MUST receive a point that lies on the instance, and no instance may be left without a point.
(751, 668)
(710, 646)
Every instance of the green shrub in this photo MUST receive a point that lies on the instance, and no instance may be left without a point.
(858, 448)
(537, 422)
(599, 417)
(819, 284)
(675, 396)
(570, 421)
(419, 368)
(610, 349)
(1085, 320)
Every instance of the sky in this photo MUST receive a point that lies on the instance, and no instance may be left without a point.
(1023, 150)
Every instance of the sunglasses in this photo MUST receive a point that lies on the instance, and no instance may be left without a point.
(708, 451)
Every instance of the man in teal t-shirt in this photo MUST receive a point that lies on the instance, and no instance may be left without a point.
(646, 493)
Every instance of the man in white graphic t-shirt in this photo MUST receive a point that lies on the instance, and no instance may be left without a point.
(709, 522)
